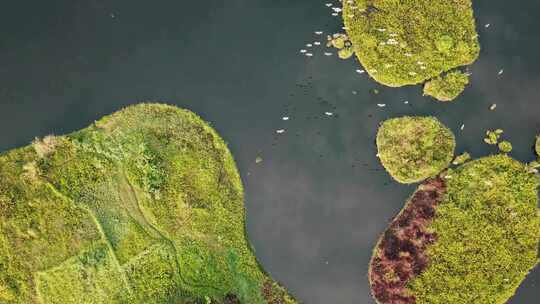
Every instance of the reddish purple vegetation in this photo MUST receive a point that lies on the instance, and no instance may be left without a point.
(401, 253)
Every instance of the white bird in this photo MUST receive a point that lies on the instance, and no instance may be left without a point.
(381, 105)
(319, 32)
(462, 127)
(316, 43)
(327, 54)
(360, 71)
(303, 51)
(329, 4)
(501, 71)
(285, 118)
(328, 113)
(280, 131)
(493, 107)
(309, 45)
(309, 54)
(406, 102)
(487, 25)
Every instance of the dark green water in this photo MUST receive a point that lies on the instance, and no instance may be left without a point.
(319, 200)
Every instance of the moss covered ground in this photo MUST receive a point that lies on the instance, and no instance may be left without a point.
(409, 42)
(143, 206)
(412, 149)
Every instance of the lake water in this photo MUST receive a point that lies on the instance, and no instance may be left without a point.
(319, 199)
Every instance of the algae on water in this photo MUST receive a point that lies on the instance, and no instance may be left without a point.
(410, 42)
(144, 206)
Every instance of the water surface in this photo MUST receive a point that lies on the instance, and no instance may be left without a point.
(319, 200)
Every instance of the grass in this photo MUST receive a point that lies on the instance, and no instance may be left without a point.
(143, 206)
(469, 235)
(409, 42)
(447, 87)
(475, 245)
(412, 149)
(488, 229)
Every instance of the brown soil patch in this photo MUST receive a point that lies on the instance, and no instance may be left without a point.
(400, 254)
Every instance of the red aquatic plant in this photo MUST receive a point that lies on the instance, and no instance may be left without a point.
(400, 254)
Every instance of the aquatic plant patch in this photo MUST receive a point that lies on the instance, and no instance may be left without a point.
(412, 149)
(401, 253)
(143, 206)
(470, 235)
(410, 42)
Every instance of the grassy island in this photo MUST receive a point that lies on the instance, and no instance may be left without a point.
(409, 42)
(470, 235)
(143, 206)
(412, 149)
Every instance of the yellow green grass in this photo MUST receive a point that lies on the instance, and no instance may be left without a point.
(143, 206)
(409, 42)
(412, 149)
(447, 87)
(488, 229)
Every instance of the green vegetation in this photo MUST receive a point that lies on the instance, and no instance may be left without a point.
(346, 53)
(488, 229)
(468, 235)
(342, 43)
(447, 87)
(144, 206)
(409, 42)
(461, 159)
(505, 146)
(412, 149)
(492, 137)
(339, 41)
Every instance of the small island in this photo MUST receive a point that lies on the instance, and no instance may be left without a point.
(467, 235)
(410, 42)
(412, 149)
(143, 206)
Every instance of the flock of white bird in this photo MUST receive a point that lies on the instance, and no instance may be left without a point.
(335, 11)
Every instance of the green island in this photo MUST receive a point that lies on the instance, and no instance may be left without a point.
(488, 229)
(410, 42)
(470, 234)
(412, 149)
(143, 206)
